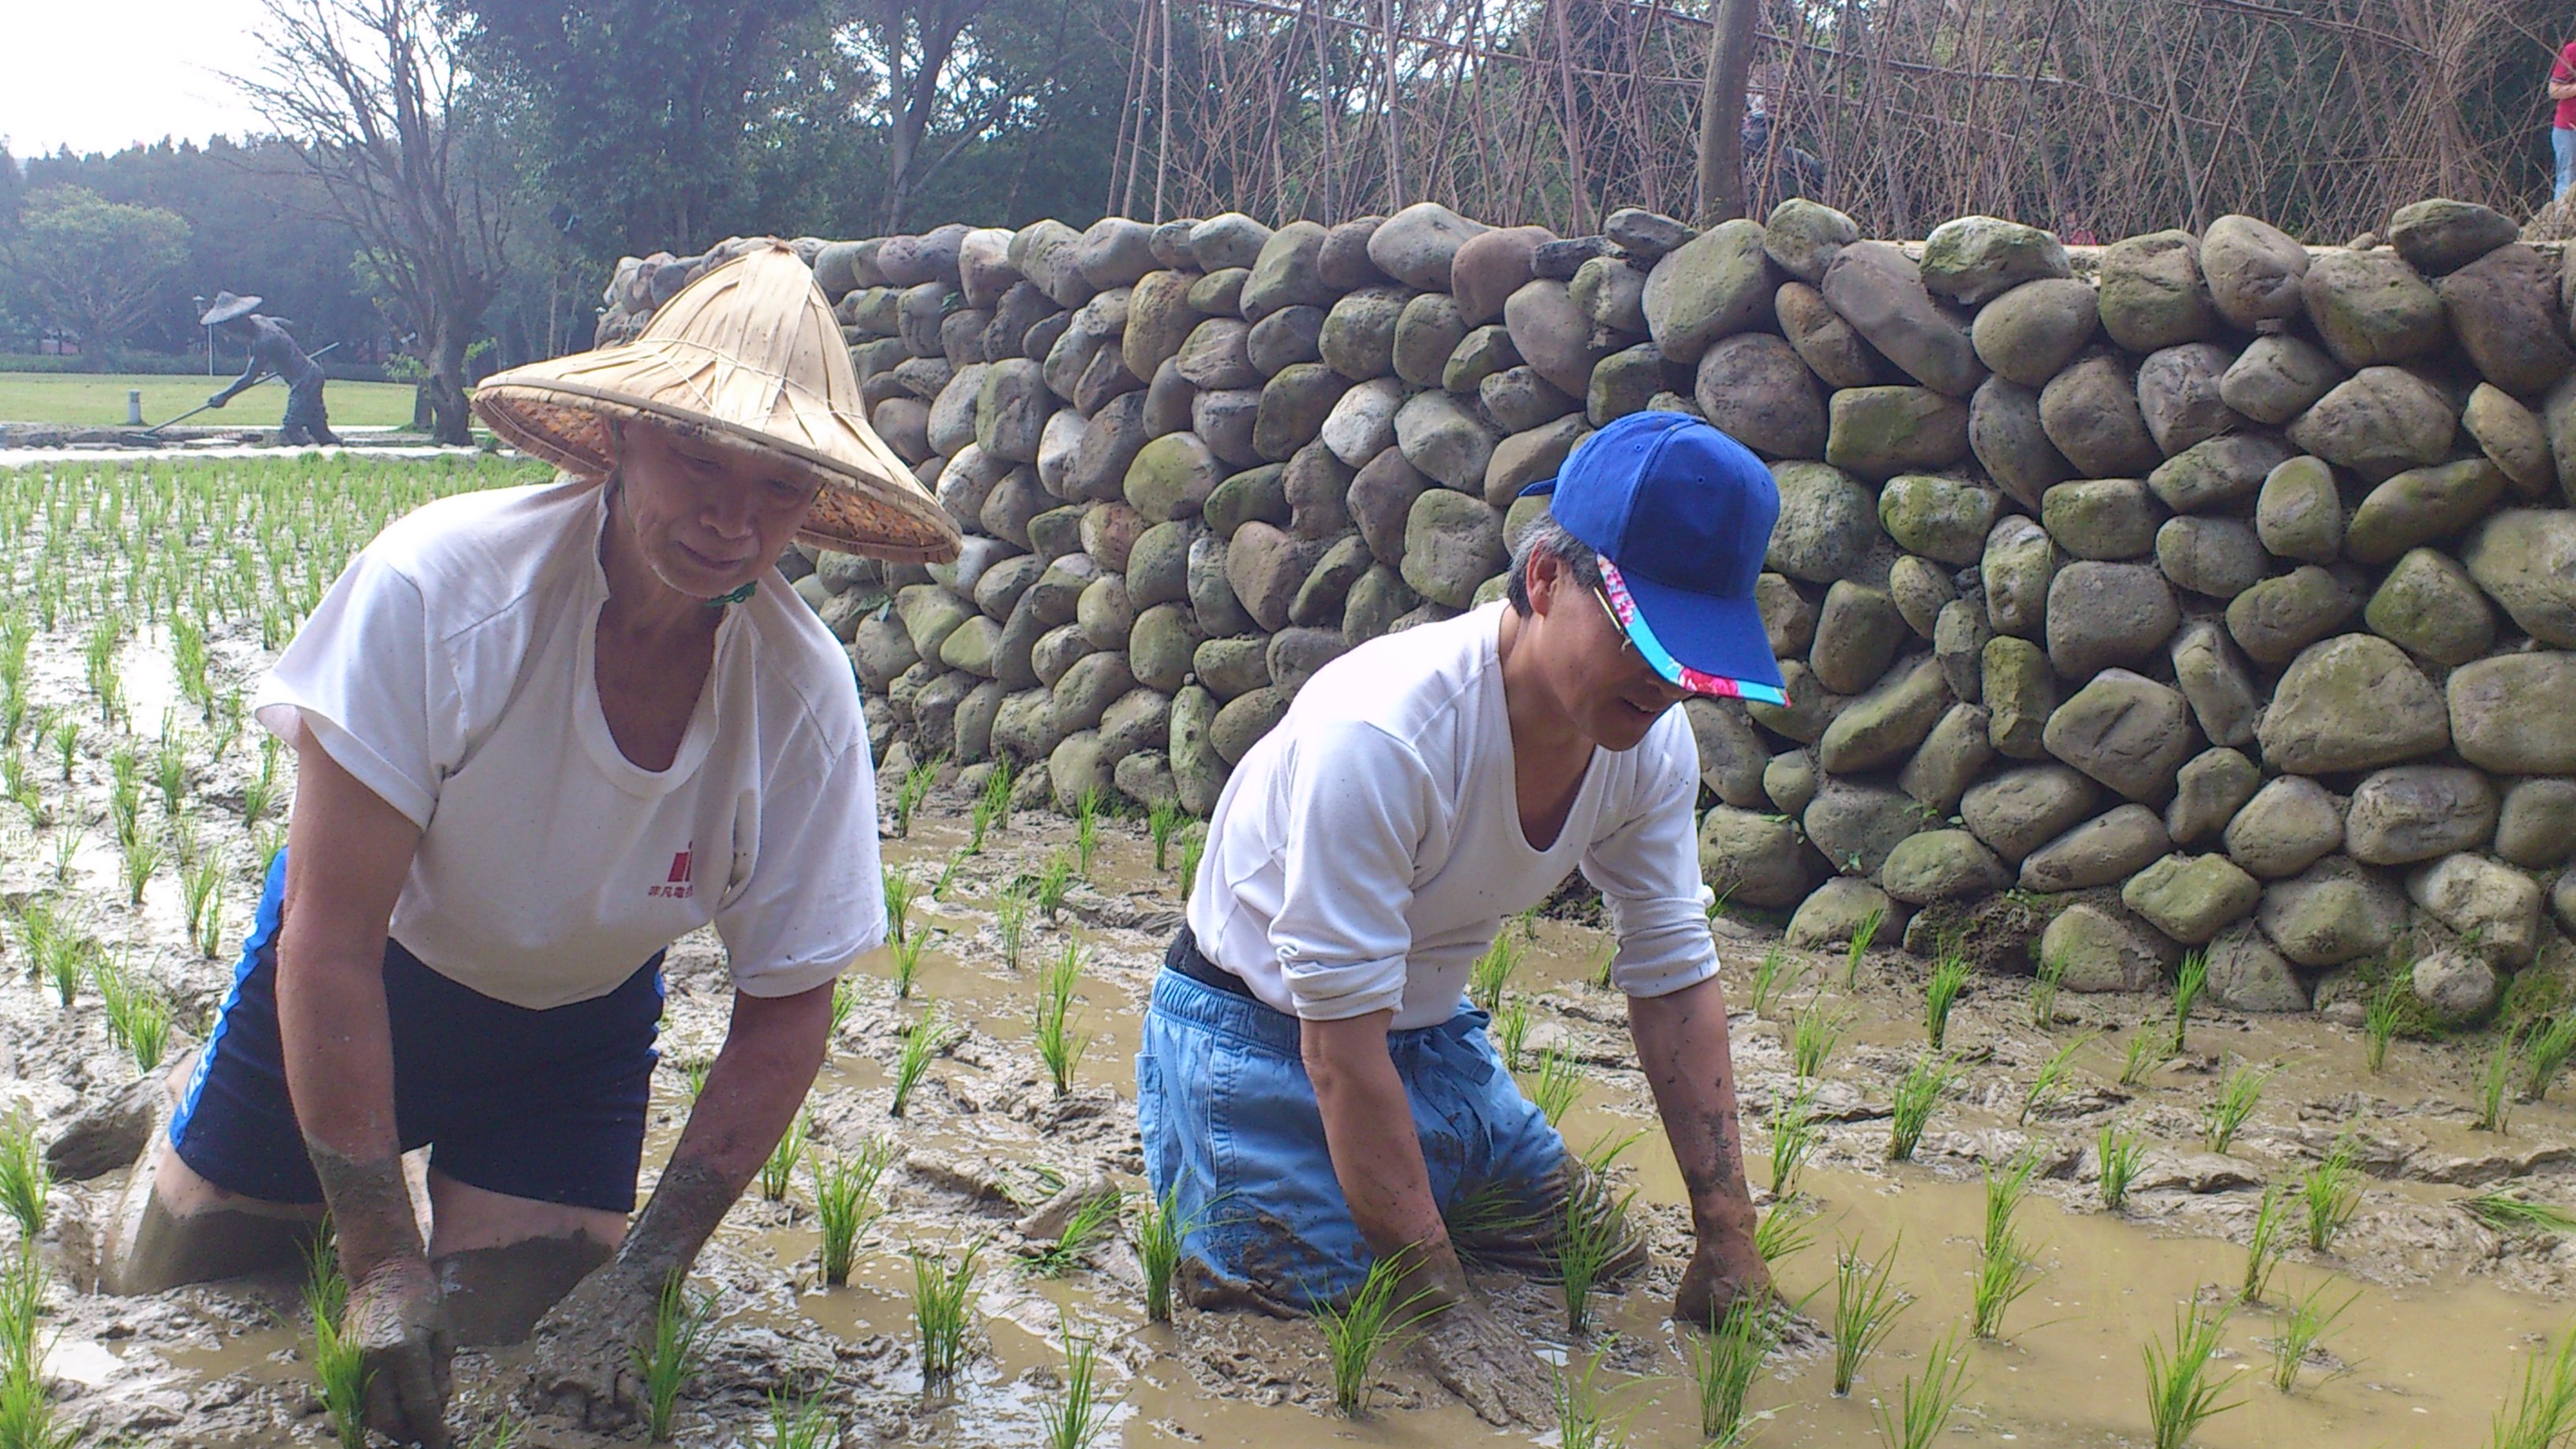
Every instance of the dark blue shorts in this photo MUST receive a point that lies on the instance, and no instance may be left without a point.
(546, 1105)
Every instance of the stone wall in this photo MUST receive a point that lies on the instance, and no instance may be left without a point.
(2186, 592)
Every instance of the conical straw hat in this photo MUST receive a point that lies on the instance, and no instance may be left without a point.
(747, 356)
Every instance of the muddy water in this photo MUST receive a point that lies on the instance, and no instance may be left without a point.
(2444, 1312)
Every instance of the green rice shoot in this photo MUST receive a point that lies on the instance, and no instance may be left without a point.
(1162, 821)
(1059, 1046)
(2507, 1213)
(1724, 1363)
(1076, 1413)
(1941, 996)
(2545, 1053)
(1511, 1027)
(1556, 1084)
(1768, 982)
(2494, 1089)
(898, 902)
(1011, 923)
(1867, 1303)
(929, 1036)
(1862, 937)
(1794, 1135)
(26, 1183)
(2303, 1327)
(779, 1172)
(2264, 1246)
(1915, 1097)
(1162, 1231)
(669, 1354)
(2190, 980)
(2117, 1155)
(2542, 1412)
(1492, 972)
(907, 963)
(941, 1291)
(1054, 880)
(1813, 1039)
(2045, 983)
(2233, 1106)
(339, 1360)
(1594, 1230)
(2379, 1021)
(1922, 1409)
(2181, 1392)
(845, 1201)
(2330, 1194)
(1090, 1224)
(2049, 1088)
(1355, 1334)
(1086, 830)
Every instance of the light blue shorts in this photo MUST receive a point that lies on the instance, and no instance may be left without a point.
(1228, 1115)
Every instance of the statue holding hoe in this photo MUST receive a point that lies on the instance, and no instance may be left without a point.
(272, 350)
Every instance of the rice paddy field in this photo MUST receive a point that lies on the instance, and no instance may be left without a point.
(97, 400)
(1996, 1213)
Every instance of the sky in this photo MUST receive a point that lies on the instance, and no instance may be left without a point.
(101, 77)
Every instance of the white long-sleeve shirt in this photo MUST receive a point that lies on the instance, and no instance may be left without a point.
(1366, 851)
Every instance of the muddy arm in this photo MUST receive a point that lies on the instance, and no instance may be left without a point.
(1377, 1154)
(756, 1086)
(1682, 1045)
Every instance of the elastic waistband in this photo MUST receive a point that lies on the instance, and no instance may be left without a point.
(1184, 996)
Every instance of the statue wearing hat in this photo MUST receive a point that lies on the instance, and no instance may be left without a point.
(272, 350)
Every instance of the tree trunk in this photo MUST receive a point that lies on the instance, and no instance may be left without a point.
(451, 422)
(1721, 111)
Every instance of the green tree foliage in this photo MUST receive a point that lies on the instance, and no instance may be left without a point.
(93, 267)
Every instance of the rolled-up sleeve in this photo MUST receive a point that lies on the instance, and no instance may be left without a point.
(1358, 802)
(362, 678)
(1646, 867)
(814, 897)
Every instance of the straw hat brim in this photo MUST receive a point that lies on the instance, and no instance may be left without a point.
(228, 308)
(566, 423)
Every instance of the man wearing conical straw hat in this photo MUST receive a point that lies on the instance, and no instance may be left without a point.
(542, 733)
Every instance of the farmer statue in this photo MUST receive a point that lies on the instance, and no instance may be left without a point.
(272, 350)
(541, 734)
(1311, 1084)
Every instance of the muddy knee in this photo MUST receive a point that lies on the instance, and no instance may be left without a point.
(496, 1295)
(173, 1228)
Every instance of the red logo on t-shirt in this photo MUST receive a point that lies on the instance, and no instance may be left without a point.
(681, 884)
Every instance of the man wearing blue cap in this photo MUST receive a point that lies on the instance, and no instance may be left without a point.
(1313, 1089)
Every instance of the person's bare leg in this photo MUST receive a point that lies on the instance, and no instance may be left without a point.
(173, 1227)
(502, 1261)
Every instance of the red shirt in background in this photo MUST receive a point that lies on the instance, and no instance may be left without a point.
(2560, 74)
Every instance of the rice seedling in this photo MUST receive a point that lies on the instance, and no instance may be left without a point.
(339, 1359)
(1162, 1230)
(2379, 1021)
(2005, 1271)
(1193, 849)
(25, 1182)
(1369, 1325)
(1492, 972)
(2147, 1051)
(914, 789)
(1087, 1227)
(2507, 1213)
(992, 808)
(20, 784)
(170, 770)
(1794, 1135)
(1767, 981)
(1163, 821)
(1781, 1234)
(1910, 1106)
(1053, 881)
(1527, 920)
(2228, 1111)
(1511, 1031)
(947, 875)
(1814, 1038)
(1078, 1411)
(26, 1406)
(2545, 1052)
(2044, 986)
(940, 1290)
(1593, 1232)
(1086, 830)
(1558, 1081)
(907, 963)
(265, 842)
(67, 847)
(2330, 1194)
(2005, 1194)
(2117, 1155)
(2050, 1087)
(2542, 1414)
(141, 860)
(669, 1354)
(66, 742)
(779, 1172)
(146, 1027)
(1921, 1413)
(1862, 937)
(1583, 1417)
(845, 999)
(928, 1038)
(1949, 978)
(2190, 980)
(2181, 1394)
(1866, 1306)
(2495, 1096)
(1602, 962)
(67, 962)
(188, 661)
(845, 1202)
(803, 1423)
(2263, 1247)
(898, 902)
(2301, 1329)
(260, 791)
(1058, 1045)
(694, 1075)
(201, 889)
(1725, 1361)
(1011, 922)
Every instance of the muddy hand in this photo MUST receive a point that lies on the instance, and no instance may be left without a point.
(1715, 1279)
(394, 1316)
(1489, 1367)
(581, 1362)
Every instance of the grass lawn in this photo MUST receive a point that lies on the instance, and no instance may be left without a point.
(97, 400)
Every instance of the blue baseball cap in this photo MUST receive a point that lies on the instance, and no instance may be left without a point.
(1681, 515)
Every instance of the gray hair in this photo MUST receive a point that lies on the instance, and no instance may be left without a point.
(1548, 537)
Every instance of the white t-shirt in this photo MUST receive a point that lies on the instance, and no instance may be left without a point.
(1366, 851)
(452, 670)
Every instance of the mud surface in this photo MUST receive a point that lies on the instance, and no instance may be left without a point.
(2445, 1311)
